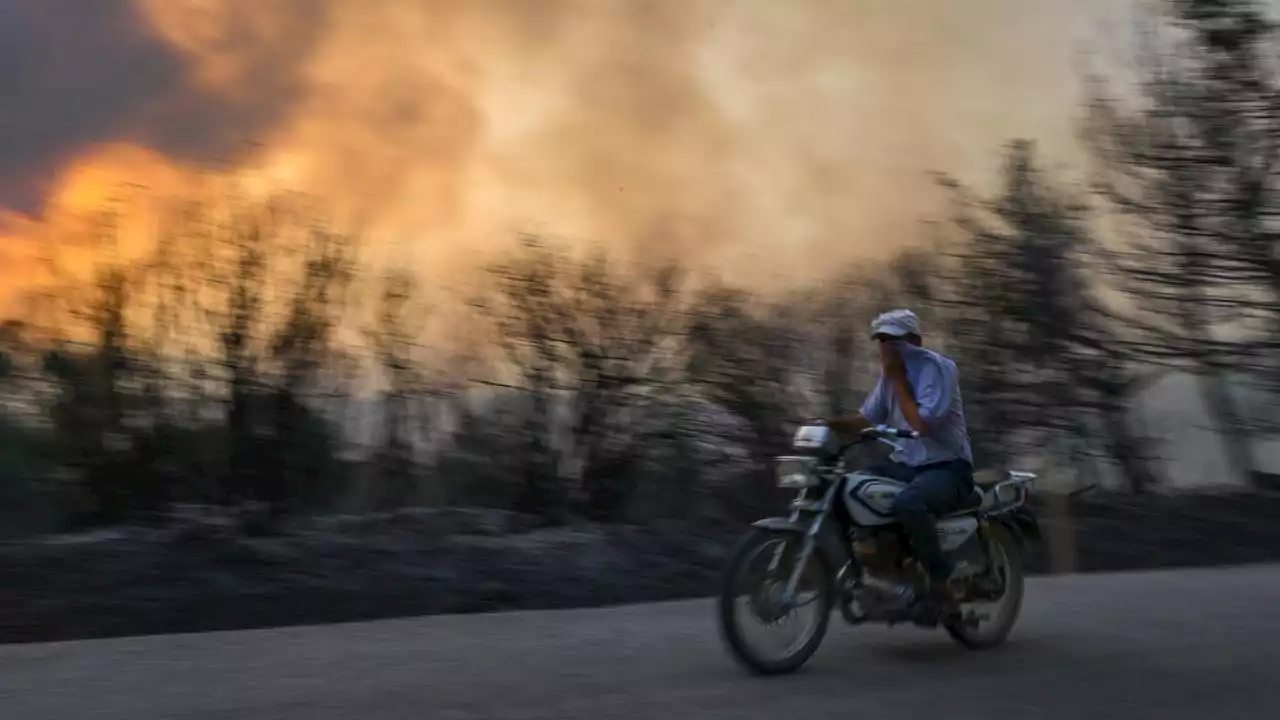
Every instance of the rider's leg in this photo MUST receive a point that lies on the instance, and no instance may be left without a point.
(893, 471)
(936, 490)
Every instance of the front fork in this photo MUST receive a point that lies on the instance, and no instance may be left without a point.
(819, 509)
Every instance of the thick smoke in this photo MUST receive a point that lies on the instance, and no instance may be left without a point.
(77, 73)
(756, 135)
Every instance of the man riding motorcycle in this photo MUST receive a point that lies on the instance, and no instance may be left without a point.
(920, 388)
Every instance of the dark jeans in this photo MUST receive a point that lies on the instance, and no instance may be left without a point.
(933, 490)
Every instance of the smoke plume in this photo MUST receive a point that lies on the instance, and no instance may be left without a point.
(761, 137)
(80, 73)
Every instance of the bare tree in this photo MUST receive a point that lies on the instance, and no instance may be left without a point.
(1026, 306)
(596, 344)
(394, 338)
(743, 355)
(247, 298)
(95, 364)
(301, 346)
(1191, 167)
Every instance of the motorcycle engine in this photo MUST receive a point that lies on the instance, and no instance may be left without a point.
(879, 553)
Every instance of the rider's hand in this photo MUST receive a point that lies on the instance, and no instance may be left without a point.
(891, 362)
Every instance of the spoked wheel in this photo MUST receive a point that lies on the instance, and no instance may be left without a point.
(1002, 597)
(753, 602)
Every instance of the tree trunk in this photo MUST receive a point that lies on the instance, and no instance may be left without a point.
(1128, 450)
(1235, 438)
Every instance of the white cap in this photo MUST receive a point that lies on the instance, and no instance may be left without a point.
(896, 323)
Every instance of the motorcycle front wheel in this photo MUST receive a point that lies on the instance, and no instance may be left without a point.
(753, 593)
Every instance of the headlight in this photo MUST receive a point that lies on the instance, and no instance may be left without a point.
(797, 472)
(811, 437)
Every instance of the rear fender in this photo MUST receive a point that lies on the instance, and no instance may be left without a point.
(830, 548)
(1022, 524)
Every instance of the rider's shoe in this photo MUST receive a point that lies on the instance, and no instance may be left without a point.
(940, 605)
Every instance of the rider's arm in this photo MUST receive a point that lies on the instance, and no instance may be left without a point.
(850, 425)
(926, 403)
(874, 410)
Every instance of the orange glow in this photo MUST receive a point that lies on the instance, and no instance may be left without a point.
(111, 175)
(125, 179)
(755, 137)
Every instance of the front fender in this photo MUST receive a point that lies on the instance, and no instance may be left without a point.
(782, 524)
(830, 548)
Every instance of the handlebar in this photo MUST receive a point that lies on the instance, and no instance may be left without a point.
(878, 433)
(885, 431)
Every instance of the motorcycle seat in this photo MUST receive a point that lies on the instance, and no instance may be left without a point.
(987, 478)
(971, 503)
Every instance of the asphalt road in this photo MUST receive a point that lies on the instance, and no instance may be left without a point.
(1185, 644)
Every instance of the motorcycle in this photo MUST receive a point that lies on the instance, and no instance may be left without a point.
(842, 547)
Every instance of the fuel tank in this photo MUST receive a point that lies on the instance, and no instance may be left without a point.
(869, 499)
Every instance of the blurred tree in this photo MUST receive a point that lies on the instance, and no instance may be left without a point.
(1026, 317)
(305, 444)
(397, 329)
(595, 345)
(95, 414)
(1190, 166)
(743, 356)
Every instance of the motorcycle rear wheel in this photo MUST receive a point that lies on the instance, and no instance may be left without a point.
(1004, 554)
(816, 578)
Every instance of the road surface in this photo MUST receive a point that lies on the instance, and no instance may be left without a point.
(1187, 644)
